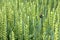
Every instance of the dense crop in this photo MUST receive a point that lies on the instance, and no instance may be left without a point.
(29, 19)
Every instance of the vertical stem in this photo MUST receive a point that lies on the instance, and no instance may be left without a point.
(41, 31)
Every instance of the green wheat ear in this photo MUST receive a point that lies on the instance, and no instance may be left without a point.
(12, 36)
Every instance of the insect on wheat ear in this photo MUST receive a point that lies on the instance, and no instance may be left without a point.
(41, 15)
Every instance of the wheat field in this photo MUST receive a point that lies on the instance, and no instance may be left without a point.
(29, 19)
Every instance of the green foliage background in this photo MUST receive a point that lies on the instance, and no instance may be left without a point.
(19, 20)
